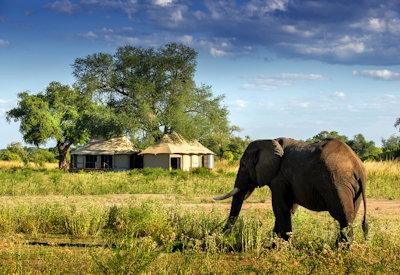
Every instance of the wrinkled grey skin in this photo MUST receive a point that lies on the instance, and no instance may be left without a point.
(326, 176)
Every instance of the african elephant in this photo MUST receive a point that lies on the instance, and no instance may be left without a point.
(325, 176)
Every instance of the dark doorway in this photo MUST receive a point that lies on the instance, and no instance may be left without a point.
(175, 163)
(136, 161)
(106, 162)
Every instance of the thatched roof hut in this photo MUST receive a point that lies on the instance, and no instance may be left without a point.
(113, 146)
(112, 154)
(175, 152)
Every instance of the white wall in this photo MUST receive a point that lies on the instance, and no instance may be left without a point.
(186, 163)
(195, 161)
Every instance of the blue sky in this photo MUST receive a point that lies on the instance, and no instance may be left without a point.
(287, 68)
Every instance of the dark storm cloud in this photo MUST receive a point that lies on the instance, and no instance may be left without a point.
(348, 32)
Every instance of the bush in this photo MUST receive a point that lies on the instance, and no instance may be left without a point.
(155, 172)
(10, 156)
(202, 171)
(16, 152)
(41, 156)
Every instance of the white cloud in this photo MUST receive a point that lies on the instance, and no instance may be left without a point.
(297, 76)
(294, 30)
(262, 7)
(269, 83)
(383, 74)
(177, 16)
(64, 6)
(186, 39)
(342, 47)
(340, 94)
(4, 43)
(89, 35)
(163, 3)
(217, 52)
(240, 104)
(376, 24)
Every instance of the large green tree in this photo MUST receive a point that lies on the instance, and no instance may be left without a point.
(61, 113)
(156, 89)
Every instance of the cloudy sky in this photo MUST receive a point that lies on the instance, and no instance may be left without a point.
(287, 67)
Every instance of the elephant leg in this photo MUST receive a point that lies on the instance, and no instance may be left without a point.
(282, 205)
(236, 206)
(343, 210)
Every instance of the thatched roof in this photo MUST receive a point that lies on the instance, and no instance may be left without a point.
(174, 143)
(113, 146)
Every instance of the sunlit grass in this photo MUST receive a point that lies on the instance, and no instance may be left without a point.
(159, 229)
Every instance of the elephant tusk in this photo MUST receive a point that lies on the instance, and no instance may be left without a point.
(227, 195)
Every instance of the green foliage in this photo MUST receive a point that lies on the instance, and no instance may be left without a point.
(326, 135)
(364, 149)
(202, 171)
(390, 148)
(64, 114)
(15, 151)
(155, 88)
(391, 144)
(235, 148)
(129, 256)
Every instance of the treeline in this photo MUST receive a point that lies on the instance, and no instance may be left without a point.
(17, 152)
(365, 149)
(231, 151)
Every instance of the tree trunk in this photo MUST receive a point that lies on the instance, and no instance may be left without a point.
(63, 149)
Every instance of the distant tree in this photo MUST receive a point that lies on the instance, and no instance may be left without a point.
(156, 89)
(14, 151)
(391, 144)
(61, 113)
(364, 149)
(325, 135)
(234, 150)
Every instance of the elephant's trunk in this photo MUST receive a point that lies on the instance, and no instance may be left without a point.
(233, 192)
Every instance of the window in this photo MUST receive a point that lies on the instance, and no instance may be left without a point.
(106, 162)
(175, 163)
(90, 161)
(135, 161)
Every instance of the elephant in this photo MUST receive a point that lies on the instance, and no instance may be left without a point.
(324, 176)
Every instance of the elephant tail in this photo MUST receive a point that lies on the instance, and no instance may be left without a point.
(364, 221)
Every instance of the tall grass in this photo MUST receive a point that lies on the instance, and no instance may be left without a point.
(384, 182)
(165, 236)
(155, 238)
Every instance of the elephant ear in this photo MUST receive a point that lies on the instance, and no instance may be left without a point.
(268, 161)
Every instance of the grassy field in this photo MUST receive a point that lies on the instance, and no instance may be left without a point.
(161, 222)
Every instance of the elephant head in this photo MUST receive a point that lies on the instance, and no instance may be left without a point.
(258, 166)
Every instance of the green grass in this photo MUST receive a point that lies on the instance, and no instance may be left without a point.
(174, 228)
(384, 182)
(152, 237)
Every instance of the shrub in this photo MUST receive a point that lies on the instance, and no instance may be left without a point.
(8, 155)
(203, 172)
